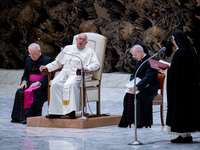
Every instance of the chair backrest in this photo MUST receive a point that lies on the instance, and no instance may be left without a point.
(96, 42)
(161, 79)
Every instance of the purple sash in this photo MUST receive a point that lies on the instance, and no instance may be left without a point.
(28, 94)
(35, 77)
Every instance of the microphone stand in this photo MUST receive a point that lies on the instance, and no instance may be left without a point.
(82, 84)
(136, 142)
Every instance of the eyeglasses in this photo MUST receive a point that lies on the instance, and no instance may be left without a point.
(135, 55)
(80, 39)
(171, 39)
(32, 54)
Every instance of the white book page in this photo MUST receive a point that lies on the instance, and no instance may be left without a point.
(164, 62)
(131, 84)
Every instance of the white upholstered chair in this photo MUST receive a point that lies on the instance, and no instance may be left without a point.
(91, 89)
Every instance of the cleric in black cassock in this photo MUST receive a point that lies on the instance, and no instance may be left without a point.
(183, 113)
(32, 65)
(148, 87)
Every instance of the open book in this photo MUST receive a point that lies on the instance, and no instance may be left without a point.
(130, 84)
(159, 64)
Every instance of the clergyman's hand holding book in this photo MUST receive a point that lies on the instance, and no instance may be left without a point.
(159, 64)
(131, 84)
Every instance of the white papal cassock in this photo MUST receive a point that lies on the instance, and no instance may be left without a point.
(65, 91)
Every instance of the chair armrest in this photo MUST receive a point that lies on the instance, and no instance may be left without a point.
(78, 72)
(51, 75)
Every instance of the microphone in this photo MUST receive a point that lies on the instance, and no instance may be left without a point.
(163, 49)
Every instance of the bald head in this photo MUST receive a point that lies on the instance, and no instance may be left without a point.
(34, 51)
(137, 48)
(138, 52)
(34, 46)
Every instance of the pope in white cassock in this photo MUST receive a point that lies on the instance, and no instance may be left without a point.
(65, 91)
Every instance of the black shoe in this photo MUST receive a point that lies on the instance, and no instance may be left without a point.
(14, 121)
(180, 139)
(72, 115)
(124, 124)
(53, 116)
(140, 126)
(24, 122)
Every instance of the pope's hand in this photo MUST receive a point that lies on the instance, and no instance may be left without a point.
(42, 68)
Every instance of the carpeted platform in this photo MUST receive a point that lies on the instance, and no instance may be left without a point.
(91, 122)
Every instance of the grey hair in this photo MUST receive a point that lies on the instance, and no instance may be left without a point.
(35, 46)
(137, 48)
(84, 34)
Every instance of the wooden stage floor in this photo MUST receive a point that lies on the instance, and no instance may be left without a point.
(91, 122)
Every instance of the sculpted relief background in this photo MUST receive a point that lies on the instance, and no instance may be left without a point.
(53, 23)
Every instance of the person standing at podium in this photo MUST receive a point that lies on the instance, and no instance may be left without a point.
(183, 111)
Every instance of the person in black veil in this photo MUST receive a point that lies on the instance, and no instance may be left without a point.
(183, 111)
(148, 87)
